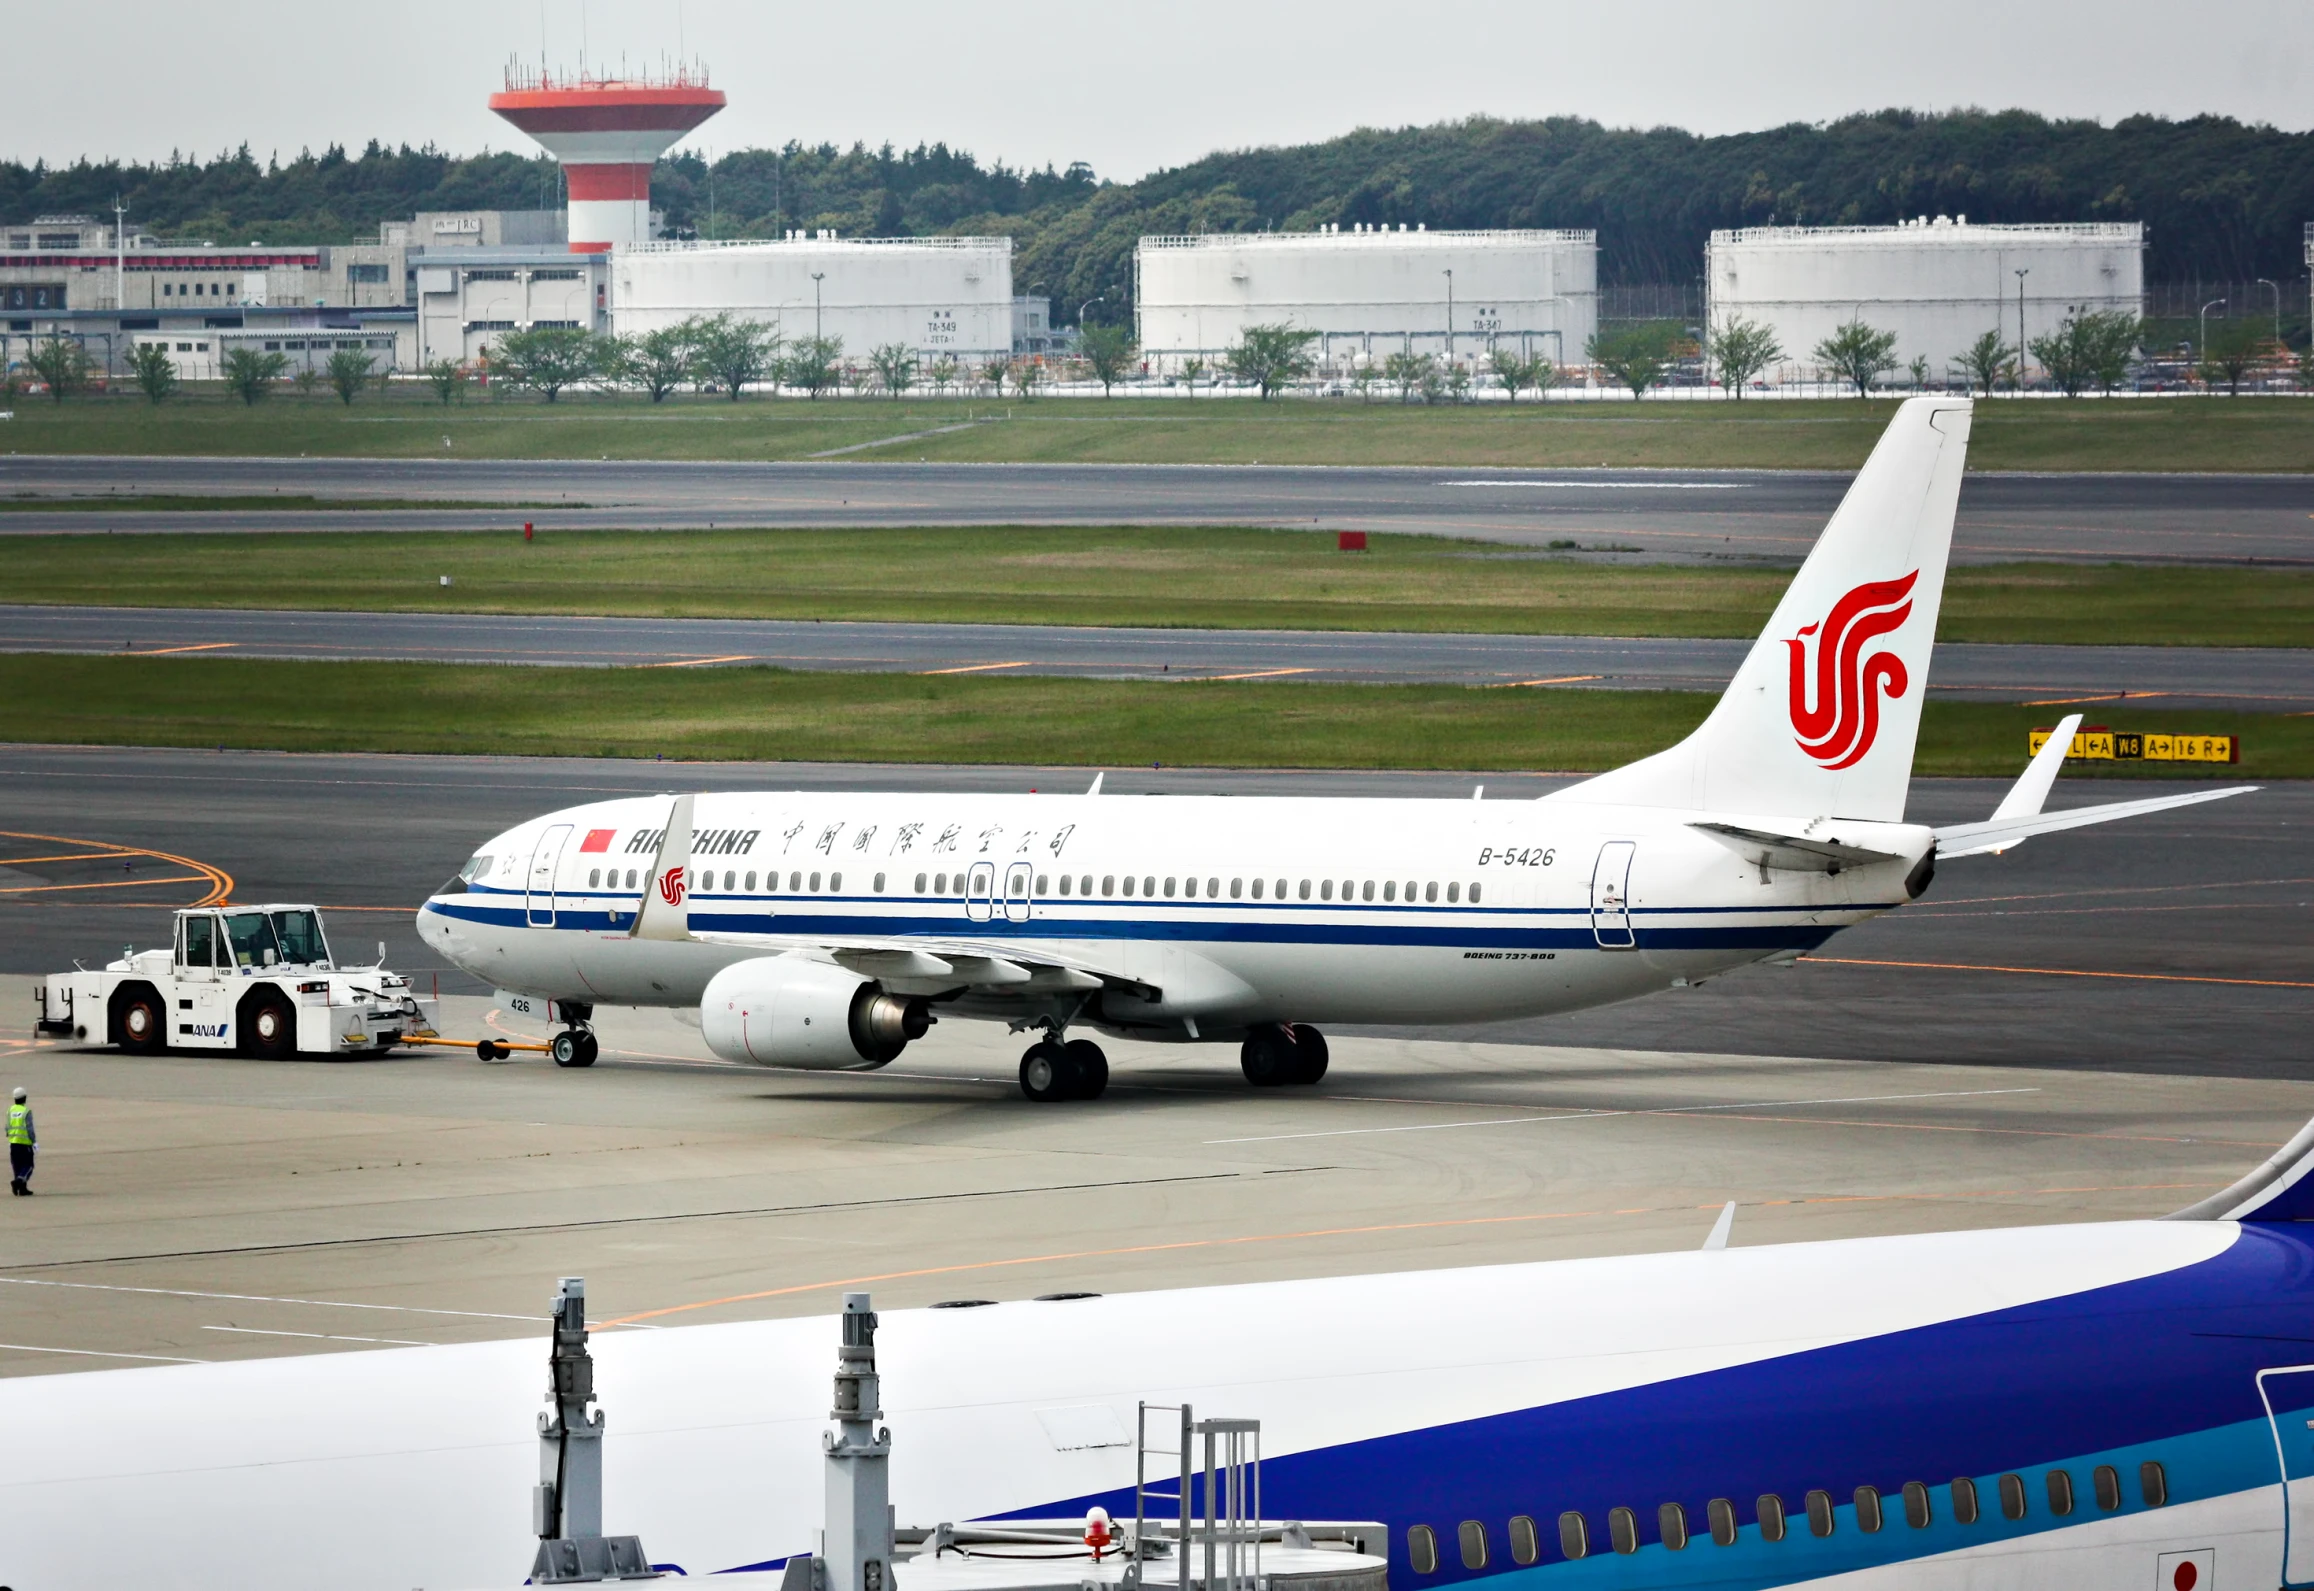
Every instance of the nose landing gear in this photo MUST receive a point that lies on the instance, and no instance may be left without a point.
(574, 1046)
(1053, 1070)
(1283, 1053)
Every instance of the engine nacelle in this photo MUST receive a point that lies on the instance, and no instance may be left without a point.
(786, 1011)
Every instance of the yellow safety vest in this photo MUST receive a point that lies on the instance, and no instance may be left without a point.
(20, 1124)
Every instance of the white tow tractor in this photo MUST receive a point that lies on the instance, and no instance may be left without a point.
(251, 980)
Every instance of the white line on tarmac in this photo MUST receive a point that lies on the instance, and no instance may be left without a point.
(323, 1336)
(91, 1353)
(260, 1298)
(1603, 1115)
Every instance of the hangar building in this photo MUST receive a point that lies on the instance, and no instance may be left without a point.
(938, 296)
(1938, 284)
(1369, 292)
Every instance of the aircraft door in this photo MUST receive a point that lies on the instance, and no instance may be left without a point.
(1611, 896)
(2288, 1395)
(980, 892)
(545, 867)
(1016, 890)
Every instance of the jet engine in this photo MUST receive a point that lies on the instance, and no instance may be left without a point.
(786, 1011)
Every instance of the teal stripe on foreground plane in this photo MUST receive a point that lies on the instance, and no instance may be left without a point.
(830, 931)
(2065, 1408)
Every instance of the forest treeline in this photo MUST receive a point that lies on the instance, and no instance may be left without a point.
(2222, 201)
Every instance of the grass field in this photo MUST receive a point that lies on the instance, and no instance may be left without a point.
(2246, 434)
(770, 714)
(1131, 575)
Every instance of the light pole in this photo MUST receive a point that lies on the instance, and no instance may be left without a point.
(2023, 271)
(2268, 282)
(1450, 316)
(2201, 350)
(816, 328)
(1097, 298)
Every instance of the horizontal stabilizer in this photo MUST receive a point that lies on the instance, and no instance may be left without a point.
(2280, 1190)
(1998, 834)
(1793, 853)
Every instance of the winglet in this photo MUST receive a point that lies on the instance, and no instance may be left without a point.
(1721, 1227)
(1097, 778)
(665, 914)
(2282, 1189)
(2026, 796)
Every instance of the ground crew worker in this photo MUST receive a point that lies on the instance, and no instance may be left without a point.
(22, 1144)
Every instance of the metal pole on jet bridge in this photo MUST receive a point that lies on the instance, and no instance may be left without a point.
(856, 1543)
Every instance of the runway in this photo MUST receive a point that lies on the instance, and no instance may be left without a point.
(2176, 944)
(1669, 515)
(2257, 679)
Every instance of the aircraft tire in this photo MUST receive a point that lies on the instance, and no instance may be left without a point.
(1092, 1067)
(1046, 1073)
(572, 1048)
(1268, 1058)
(1310, 1050)
(589, 1048)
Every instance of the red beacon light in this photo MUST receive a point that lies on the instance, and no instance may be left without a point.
(1098, 1535)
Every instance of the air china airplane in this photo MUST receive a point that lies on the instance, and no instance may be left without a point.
(828, 931)
(2122, 1406)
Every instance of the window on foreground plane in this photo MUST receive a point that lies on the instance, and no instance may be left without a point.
(475, 868)
(1526, 1542)
(1623, 1529)
(1721, 1515)
(251, 937)
(1574, 1535)
(2153, 1483)
(1043, 884)
(1868, 1514)
(1671, 1526)
(1470, 1537)
(1964, 1500)
(1819, 1513)
(2060, 1492)
(1473, 895)
(2105, 1482)
(2012, 1496)
(1109, 883)
(879, 883)
(1916, 1510)
(1770, 1509)
(1390, 890)
(1325, 889)
(299, 935)
(1422, 1549)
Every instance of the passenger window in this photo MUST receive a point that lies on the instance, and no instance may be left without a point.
(1042, 881)
(1964, 1500)
(751, 881)
(1085, 885)
(919, 883)
(835, 881)
(815, 883)
(795, 883)
(1389, 890)
(1257, 889)
(1623, 1530)
(1868, 1515)
(2153, 1483)
(2105, 1482)
(1470, 1536)
(1305, 892)
(1064, 884)
(1721, 1516)
(2012, 1497)
(1430, 892)
(1916, 1509)
(1473, 895)
(1169, 889)
(879, 882)
(1671, 1525)
(1281, 890)
(1422, 1549)
(1326, 889)
(1109, 884)
(1819, 1513)
(594, 877)
(1770, 1509)
(939, 885)
(1410, 891)
(1526, 1544)
(1574, 1535)
(1237, 887)
(1212, 889)
(1149, 886)
(2060, 1492)
(1368, 892)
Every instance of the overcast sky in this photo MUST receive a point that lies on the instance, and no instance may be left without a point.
(1128, 87)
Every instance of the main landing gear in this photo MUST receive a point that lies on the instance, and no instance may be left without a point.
(1282, 1053)
(1052, 1070)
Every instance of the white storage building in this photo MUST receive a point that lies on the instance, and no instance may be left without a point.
(939, 296)
(1369, 292)
(1938, 284)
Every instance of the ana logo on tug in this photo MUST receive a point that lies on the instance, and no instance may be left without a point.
(672, 886)
(1837, 724)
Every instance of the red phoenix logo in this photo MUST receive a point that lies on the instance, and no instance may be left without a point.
(671, 886)
(1838, 723)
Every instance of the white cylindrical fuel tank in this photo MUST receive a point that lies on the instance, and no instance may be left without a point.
(787, 1011)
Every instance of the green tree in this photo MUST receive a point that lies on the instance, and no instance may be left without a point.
(1271, 357)
(1406, 370)
(1026, 374)
(448, 379)
(1918, 371)
(1363, 375)
(547, 359)
(1637, 355)
(1518, 371)
(61, 364)
(995, 371)
(250, 374)
(942, 374)
(154, 371)
(813, 365)
(1192, 372)
(661, 359)
(1860, 353)
(895, 368)
(731, 351)
(1110, 351)
(2112, 337)
(1985, 361)
(307, 380)
(349, 371)
(2070, 353)
(1458, 381)
(2234, 346)
(1742, 349)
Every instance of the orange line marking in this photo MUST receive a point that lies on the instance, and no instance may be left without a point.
(702, 662)
(1563, 679)
(220, 881)
(2064, 972)
(117, 883)
(164, 651)
(974, 668)
(69, 856)
(1267, 673)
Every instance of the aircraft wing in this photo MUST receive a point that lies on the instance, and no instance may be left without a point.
(994, 965)
(1998, 834)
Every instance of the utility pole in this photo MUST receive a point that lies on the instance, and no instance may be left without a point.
(2202, 348)
(1450, 316)
(2276, 286)
(816, 333)
(120, 259)
(2023, 271)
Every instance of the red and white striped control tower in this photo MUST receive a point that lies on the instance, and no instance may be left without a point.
(608, 133)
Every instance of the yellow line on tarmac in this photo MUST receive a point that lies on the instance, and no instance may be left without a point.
(974, 668)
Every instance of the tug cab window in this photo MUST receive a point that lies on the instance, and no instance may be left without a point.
(200, 947)
(250, 935)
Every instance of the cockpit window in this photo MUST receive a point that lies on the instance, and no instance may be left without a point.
(251, 936)
(475, 869)
(299, 935)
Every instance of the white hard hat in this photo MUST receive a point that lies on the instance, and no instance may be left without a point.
(20, 1096)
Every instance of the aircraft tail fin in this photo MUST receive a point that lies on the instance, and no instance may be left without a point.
(666, 912)
(1821, 718)
(2282, 1189)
